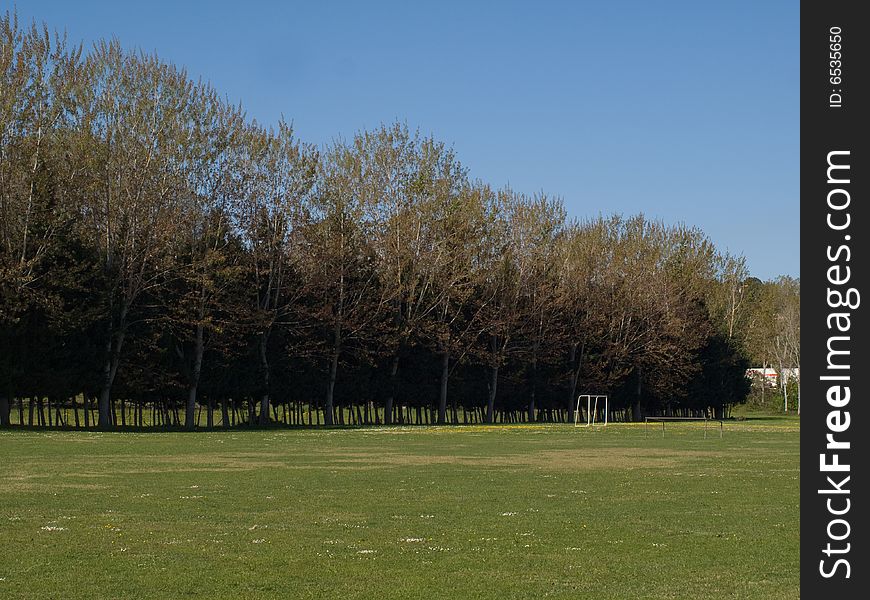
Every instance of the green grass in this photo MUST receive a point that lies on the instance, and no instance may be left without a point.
(470, 512)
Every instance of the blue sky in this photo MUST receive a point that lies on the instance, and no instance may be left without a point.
(685, 111)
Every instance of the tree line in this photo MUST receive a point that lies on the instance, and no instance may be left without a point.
(165, 257)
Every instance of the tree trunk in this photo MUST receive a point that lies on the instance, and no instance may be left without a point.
(442, 401)
(330, 388)
(575, 378)
(4, 410)
(636, 412)
(104, 417)
(333, 374)
(190, 408)
(225, 413)
(493, 390)
(114, 344)
(388, 405)
(531, 409)
(264, 399)
(190, 412)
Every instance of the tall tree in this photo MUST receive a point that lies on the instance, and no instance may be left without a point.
(458, 214)
(340, 264)
(727, 297)
(132, 121)
(204, 250)
(534, 225)
(407, 178)
(278, 174)
(40, 76)
(581, 296)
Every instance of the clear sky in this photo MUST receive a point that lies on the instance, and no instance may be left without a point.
(685, 111)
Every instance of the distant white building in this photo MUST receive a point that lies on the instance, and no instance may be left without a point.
(771, 378)
(768, 375)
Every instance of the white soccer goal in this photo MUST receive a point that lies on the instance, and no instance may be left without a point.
(663, 420)
(591, 409)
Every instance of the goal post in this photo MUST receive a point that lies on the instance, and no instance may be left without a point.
(663, 420)
(591, 409)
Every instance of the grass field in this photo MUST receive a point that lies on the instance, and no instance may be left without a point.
(465, 512)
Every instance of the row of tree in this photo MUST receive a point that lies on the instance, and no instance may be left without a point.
(160, 249)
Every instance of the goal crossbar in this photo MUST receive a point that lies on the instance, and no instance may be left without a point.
(591, 409)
